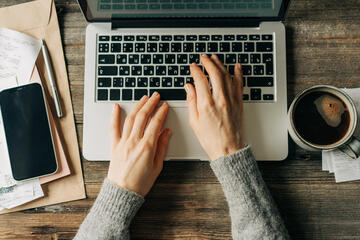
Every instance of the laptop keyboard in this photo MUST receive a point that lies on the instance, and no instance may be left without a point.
(137, 5)
(130, 66)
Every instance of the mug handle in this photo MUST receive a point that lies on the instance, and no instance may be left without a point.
(352, 148)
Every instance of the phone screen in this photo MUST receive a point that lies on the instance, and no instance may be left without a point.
(27, 132)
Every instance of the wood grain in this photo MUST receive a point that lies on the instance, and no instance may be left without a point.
(323, 47)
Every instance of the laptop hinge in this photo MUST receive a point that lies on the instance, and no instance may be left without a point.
(183, 22)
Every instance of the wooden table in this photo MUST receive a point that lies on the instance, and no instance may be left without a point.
(187, 202)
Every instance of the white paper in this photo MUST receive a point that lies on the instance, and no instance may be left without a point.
(21, 193)
(18, 53)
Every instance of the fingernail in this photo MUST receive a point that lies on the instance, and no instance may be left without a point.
(114, 107)
(186, 88)
(204, 55)
(155, 94)
(143, 97)
(163, 104)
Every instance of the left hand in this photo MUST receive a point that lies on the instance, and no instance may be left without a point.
(138, 152)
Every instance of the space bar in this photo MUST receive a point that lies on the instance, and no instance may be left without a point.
(170, 94)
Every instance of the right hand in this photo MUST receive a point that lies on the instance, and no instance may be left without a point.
(216, 117)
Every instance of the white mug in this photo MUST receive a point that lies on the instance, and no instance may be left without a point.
(349, 144)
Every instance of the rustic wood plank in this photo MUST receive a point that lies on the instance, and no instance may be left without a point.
(323, 47)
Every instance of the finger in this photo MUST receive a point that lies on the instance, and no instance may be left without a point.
(219, 64)
(129, 121)
(162, 145)
(216, 76)
(201, 84)
(191, 101)
(115, 128)
(156, 122)
(143, 115)
(238, 80)
(227, 83)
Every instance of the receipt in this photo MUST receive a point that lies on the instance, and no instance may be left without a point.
(18, 53)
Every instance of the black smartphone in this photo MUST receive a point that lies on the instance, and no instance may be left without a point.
(27, 132)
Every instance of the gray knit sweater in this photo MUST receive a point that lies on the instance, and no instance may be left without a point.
(252, 209)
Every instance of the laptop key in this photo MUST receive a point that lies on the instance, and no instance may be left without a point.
(179, 82)
(258, 70)
(116, 38)
(128, 47)
(160, 70)
(133, 59)
(124, 70)
(267, 58)
(173, 70)
(255, 94)
(107, 70)
(255, 58)
(191, 38)
(245, 97)
(264, 46)
(129, 38)
(152, 47)
(224, 47)
(236, 46)
(266, 37)
(188, 47)
(175, 47)
(212, 47)
(148, 70)
(230, 58)
(102, 94)
(114, 94)
(129, 82)
(174, 94)
(241, 37)
(254, 37)
(204, 37)
(104, 82)
(142, 82)
(269, 68)
(106, 59)
(231, 69)
(164, 47)
(141, 38)
(104, 38)
(260, 81)
(154, 82)
(118, 82)
(189, 80)
(268, 97)
(179, 38)
(182, 58)
(121, 59)
(221, 57)
(248, 47)
(139, 93)
(103, 47)
(243, 58)
(216, 38)
(200, 47)
(194, 58)
(158, 58)
(154, 38)
(136, 70)
(145, 58)
(166, 38)
(166, 82)
(139, 47)
(116, 47)
(126, 94)
(169, 58)
(246, 69)
(229, 37)
(185, 70)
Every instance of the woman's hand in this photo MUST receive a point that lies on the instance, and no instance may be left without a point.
(137, 153)
(216, 116)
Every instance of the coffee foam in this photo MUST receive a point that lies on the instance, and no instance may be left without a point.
(330, 109)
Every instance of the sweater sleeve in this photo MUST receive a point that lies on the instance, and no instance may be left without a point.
(111, 214)
(253, 212)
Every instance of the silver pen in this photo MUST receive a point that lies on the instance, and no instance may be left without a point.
(49, 69)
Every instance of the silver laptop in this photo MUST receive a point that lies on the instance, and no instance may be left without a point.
(136, 47)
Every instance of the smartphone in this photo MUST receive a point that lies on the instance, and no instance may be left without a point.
(27, 132)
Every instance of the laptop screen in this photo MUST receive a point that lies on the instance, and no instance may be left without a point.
(105, 10)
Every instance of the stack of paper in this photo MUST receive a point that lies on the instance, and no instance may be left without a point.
(18, 53)
(344, 168)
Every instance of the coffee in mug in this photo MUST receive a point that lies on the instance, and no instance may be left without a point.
(324, 117)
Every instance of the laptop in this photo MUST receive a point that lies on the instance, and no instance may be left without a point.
(136, 47)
